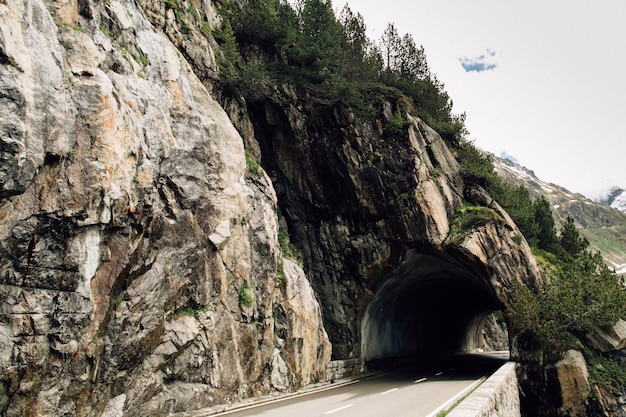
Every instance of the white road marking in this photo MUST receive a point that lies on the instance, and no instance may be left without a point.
(287, 397)
(452, 400)
(339, 409)
(388, 391)
(417, 381)
(439, 374)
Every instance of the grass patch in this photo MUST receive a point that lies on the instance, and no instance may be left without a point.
(206, 29)
(252, 166)
(182, 23)
(288, 249)
(246, 295)
(141, 59)
(281, 278)
(187, 311)
(606, 373)
(468, 218)
(611, 241)
(105, 31)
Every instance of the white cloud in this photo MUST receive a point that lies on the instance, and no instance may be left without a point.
(480, 63)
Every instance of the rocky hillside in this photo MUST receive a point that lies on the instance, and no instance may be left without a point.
(602, 224)
(141, 270)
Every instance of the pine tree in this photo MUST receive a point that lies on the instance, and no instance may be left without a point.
(546, 233)
(571, 240)
(318, 43)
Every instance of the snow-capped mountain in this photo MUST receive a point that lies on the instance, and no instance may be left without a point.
(616, 199)
(601, 222)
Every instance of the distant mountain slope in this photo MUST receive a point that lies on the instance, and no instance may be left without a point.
(604, 226)
(616, 199)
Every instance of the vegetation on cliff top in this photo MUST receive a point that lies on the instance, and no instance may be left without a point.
(330, 56)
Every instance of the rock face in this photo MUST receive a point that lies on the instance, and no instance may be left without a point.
(138, 255)
(373, 213)
(610, 338)
(573, 378)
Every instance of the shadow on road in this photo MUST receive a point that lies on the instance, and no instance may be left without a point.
(456, 366)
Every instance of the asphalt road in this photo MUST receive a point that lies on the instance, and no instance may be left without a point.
(416, 390)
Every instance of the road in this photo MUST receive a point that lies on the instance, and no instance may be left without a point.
(417, 390)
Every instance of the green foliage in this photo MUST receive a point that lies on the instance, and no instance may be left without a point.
(264, 22)
(287, 248)
(546, 229)
(587, 293)
(186, 311)
(356, 61)
(250, 79)
(170, 4)
(475, 166)
(570, 239)
(468, 217)
(518, 203)
(318, 45)
(534, 218)
(580, 295)
(281, 278)
(139, 57)
(397, 124)
(605, 372)
(246, 295)
(252, 166)
(105, 31)
(182, 23)
(206, 29)
(310, 48)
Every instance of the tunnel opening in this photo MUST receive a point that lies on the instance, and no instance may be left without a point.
(429, 306)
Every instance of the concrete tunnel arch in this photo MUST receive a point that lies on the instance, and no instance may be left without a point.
(429, 305)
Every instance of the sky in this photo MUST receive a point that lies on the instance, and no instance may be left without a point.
(541, 82)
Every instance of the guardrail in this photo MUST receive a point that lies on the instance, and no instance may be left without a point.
(498, 396)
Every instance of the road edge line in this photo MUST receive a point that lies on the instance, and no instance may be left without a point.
(269, 401)
(452, 400)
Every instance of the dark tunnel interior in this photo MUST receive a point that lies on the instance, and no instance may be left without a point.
(428, 306)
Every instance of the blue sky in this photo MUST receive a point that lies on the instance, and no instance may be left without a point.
(542, 81)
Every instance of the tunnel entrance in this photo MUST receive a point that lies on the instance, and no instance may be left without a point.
(428, 306)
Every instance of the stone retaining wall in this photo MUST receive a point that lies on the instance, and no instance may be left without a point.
(344, 368)
(498, 396)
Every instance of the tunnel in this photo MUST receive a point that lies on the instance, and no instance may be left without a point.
(430, 305)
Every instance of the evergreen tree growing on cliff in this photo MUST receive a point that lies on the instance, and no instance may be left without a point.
(570, 239)
(581, 295)
(360, 61)
(546, 229)
(317, 41)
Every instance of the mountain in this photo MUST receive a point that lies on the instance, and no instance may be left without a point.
(601, 222)
(616, 198)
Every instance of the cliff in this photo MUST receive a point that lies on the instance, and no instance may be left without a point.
(139, 261)
(140, 265)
